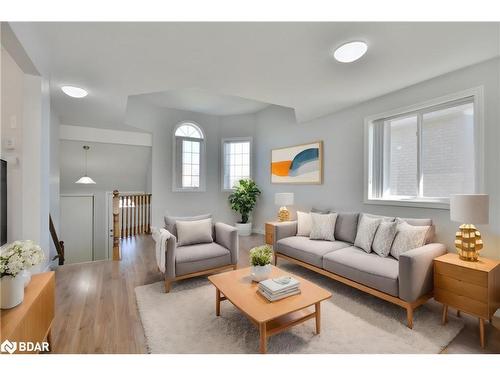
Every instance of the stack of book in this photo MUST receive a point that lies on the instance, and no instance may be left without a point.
(279, 288)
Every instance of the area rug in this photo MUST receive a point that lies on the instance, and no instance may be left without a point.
(184, 321)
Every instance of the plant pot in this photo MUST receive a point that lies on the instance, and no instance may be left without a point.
(244, 229)
(12, 289)
(260, 273)
(27, 277)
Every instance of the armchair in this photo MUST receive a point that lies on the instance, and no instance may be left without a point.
(183, 262)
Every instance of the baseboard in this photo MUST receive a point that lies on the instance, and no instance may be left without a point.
(258, 231)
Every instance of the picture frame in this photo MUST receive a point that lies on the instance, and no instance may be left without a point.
(298, 164)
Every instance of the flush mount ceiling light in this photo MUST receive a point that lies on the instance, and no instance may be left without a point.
(74, 92)
(85, 179)
(350, 51)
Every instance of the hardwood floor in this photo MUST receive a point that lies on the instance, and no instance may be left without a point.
(96, 310)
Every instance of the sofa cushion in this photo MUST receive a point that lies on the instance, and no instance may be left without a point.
(303, 223)
(323, 226)
(367, 228)
(321, 210)
(346, 226)
(194, 232)
(367, 269)
(171, 220)
(408, 237)
(200, 257)
(307, 250)
(429, 237)
(384, 237)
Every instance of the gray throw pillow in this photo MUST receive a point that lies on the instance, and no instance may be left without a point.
(171, 220)
(408, 237)
(321, 210)
(384, 237)
(194, 232)
(323, 226)
(366, 232)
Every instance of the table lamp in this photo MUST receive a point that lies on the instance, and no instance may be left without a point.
(468, 209)
(282, 200)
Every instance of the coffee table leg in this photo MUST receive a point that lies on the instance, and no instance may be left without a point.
(263, 338)
(217, 302)
(318, 318)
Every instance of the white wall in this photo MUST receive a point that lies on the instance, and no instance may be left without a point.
(112, 166)
(342, 133)
(54, 177)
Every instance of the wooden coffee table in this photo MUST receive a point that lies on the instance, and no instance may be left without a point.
(270, 317)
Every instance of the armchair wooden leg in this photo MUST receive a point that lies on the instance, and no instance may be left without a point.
(168, 285)
(409, 317)
(275, 259)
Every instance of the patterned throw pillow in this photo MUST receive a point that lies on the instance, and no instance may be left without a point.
(323, 226)
(408, 237)
(384, 237)
(304, 223)
(366, 232)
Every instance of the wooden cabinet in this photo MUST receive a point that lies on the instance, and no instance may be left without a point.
(471, 287)
(270, 233)
(31, 321)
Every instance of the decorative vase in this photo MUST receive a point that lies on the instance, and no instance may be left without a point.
(12, 289)
(260, 273)
(27, 277)
(244, 229)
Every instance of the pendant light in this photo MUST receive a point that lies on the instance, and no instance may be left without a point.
(85, 179)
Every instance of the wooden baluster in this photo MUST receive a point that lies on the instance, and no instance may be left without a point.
(143, 211)
(140, 214)
(128, 216)
(135, 215)
(116, 225)
(149, 213)
(122, 232)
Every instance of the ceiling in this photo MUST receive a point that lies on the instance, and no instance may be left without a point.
(287, 64)
(203, 101)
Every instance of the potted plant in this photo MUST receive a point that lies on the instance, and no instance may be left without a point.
(260, 259)
(243, 200)
(14, 259)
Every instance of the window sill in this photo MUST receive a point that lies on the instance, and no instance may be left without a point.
(188, 190)
(418, 203)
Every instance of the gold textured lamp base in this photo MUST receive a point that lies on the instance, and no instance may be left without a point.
(284, 214)
(468, 242)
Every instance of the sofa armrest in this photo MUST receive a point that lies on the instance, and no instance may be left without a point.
(416, 271)
(227, 236)
(284, 229)
(171, 249)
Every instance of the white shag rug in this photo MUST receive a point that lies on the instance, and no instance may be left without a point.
(184, 321)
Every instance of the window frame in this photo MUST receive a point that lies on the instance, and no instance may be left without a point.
(177, 159)
(222, 162)
(477, 95)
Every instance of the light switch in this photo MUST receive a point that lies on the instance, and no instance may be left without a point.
(10, 143)
(13, 122)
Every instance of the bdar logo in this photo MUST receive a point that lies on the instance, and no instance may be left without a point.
(9, 347)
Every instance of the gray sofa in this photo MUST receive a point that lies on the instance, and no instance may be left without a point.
(183, 262)
(407, 282)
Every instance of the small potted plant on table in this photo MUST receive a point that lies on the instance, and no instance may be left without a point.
(243, 200)
(260, 259)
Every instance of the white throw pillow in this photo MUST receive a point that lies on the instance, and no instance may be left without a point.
(408, 237)
(303, 224)
(193, 232)
(367, 228)
(384, 237)
(323, 226)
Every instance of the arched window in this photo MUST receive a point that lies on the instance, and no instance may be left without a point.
(189, 158)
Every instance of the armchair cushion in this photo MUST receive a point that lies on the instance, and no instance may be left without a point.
(170, 221)
(194, 232)
(200, 257)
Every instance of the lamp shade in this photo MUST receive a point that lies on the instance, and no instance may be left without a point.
(469, 208)
(85, 180)
(283, 199)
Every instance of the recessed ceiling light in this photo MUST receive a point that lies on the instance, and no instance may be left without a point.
(74, 92)
(350, 51)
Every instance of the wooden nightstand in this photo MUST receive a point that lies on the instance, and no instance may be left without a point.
(471, 287)
(270, 232)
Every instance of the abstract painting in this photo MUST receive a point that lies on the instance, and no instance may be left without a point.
(301, 164)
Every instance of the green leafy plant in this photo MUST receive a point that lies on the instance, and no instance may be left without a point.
(244, 197)
(261, 255)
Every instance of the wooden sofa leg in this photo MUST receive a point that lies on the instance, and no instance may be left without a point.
(275, 259)
(409, 317)
(168, 285)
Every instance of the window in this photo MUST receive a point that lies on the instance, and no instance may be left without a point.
(237, 155)
(189, 152)
(421, 155)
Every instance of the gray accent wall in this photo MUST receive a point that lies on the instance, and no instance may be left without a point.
(343, 137)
